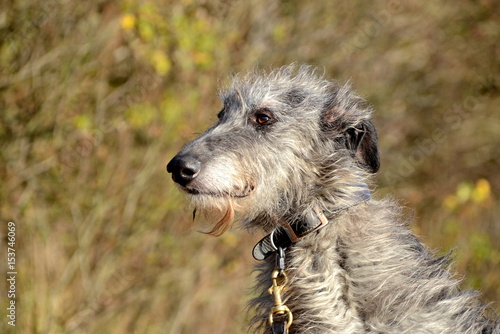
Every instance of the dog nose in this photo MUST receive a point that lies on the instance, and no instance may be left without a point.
(184, 169)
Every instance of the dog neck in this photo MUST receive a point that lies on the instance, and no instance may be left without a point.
(307, 228)
(304, 225)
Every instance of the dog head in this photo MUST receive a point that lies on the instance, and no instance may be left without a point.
(284, 141)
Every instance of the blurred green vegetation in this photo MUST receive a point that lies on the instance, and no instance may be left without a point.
(96, 97)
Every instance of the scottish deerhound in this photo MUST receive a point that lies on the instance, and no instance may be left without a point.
(291, 155)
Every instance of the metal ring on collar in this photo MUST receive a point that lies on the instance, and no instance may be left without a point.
(272, 241)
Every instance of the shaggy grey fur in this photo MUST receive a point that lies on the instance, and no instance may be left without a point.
(287, 141)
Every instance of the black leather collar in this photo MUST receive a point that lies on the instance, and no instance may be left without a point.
(296, 229)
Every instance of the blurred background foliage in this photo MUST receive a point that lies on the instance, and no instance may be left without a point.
(96, 96)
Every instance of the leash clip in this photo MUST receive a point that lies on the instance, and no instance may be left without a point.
(275, 290)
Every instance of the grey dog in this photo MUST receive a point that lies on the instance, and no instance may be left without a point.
(292, 154)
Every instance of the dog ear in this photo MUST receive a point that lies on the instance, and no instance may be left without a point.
(345, 114)
(362, 140)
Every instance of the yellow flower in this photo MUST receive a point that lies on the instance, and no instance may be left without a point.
(481, 191)
(128, 21)
(464, 191)
(161, 62)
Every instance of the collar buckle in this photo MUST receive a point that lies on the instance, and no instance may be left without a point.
(291, 232)
(302, 229)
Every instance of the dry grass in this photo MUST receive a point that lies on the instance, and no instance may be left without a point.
(97, 96)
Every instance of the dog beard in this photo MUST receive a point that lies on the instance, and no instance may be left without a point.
(212, 215)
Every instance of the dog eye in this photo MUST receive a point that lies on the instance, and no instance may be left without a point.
(262, 118)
